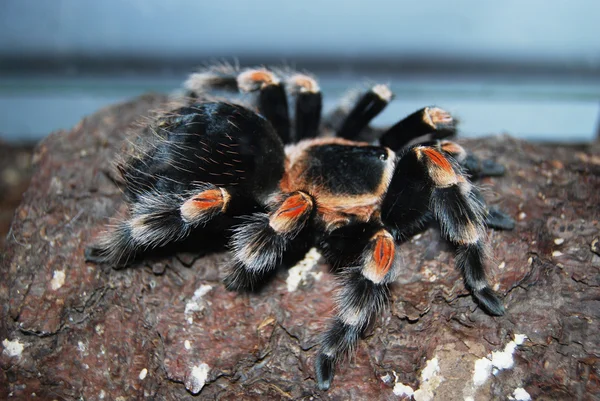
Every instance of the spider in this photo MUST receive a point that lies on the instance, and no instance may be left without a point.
(273, 185)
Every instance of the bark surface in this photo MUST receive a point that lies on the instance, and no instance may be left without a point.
(168, 329)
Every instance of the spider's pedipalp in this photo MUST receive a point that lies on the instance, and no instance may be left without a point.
(309, 102)
(364, 107)
(258, 245)
(429, 120)
(362, 294)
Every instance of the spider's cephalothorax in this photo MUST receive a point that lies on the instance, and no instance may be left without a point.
(352, 191)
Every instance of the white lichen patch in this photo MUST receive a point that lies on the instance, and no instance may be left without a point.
(13, 349)
(520, 395)
(58, 279)
(483, 370)
(496, 361)
(196, 379)
(520, 339)
(430, 381)
(82, 347)
(187, 344)
(302, 270)
(402, 389)
(429, 275)
(143, 374)
(197, 303)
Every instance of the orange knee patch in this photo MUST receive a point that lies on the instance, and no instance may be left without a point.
(292, 212)
(262, 76)
(380, 261)
(252, 80)
(439, 168)
(209, 201)
(438, 159)
(304, 84)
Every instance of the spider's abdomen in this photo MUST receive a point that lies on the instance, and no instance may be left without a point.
(218, 143)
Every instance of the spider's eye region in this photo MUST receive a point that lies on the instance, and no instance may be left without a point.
(383, 156)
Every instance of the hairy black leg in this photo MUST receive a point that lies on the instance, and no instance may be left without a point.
(429, 120)
(426, 179)
(309, 102)
(183, 171)
(473, 166)
(272, 99)
(217, 77)
(158, 219)
(362, 294)
(357, 109)
(258, 244)
(494, 217)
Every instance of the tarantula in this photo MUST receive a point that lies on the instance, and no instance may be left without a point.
(355, 195)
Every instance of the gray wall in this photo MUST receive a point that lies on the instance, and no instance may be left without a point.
(553, 30)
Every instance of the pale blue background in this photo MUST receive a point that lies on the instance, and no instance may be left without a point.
(556, 99)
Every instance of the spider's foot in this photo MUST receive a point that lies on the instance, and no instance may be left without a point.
(482, 168)
(93, 254)
(240, 280)
(489, 301)
(498, 220)
(325, 369)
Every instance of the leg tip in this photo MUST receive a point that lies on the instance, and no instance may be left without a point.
(490, 168)
(499, 220)
(325, 369)
(489, 302)
(238, 281)
(99, 255)
(92, 254)
(483, 168)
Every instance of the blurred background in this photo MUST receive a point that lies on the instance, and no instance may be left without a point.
(531, 69)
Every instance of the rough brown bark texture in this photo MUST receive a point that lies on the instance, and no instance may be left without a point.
(15, 172)
(168, 329)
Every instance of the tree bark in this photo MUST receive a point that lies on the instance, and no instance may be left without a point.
(168, 329)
